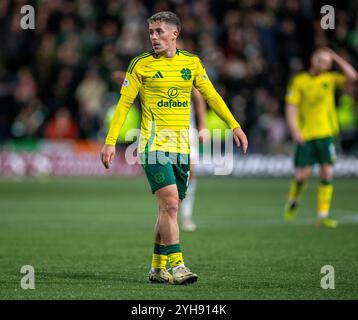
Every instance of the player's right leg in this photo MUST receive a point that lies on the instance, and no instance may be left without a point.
(296, 188)
(168, 200)
(158, 272)
(169, 188)
(160, 175)
(304, 158)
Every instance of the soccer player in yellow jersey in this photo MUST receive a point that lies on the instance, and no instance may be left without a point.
(164, 77)
(311, 117)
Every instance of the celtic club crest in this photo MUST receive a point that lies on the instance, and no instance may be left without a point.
(186, 73)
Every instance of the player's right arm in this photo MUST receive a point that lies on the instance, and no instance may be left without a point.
(129, 91)
(291, 118)
(293, 97)
(348, 70)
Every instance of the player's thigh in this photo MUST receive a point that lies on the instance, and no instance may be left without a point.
(304, 155)
(326, 151)
(159, 175)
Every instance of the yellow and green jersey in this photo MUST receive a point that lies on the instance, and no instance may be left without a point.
(164, 86)
(314, 98)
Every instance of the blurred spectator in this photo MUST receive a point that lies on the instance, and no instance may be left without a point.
(250, 49)
(90, 96)
(61, 126)
(347, 113)
(28, 122)
(26, 89)
(274, 127)
(90, 92)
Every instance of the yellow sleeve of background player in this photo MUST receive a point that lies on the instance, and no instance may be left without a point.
(129, 91)
(338, 78)
(293, 94)
(213, 99)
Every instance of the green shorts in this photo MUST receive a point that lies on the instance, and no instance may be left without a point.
(166, 168)
(313, 151)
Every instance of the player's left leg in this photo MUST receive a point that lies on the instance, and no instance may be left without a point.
(186, 209)
(324, 197)
(326, 157)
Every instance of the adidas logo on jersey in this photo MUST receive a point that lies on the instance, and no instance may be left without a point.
(158, 75)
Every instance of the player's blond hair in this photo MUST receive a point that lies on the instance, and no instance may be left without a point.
(166, 16)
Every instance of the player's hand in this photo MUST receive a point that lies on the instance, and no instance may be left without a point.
(297, 137)
(331, 53)
(327, 49)
(107, 154)
(240, 139)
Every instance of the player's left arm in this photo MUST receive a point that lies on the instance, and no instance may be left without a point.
(200, 109)
(350, 73)
(214, 100)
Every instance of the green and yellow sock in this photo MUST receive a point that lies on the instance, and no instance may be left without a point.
(159, 257)
(324, 197)
(175, 255)
(296, 188)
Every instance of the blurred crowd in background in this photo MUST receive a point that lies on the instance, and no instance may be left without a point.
(56, 80)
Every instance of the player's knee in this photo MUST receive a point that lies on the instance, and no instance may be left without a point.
(170, 206)
(326, 176)
(326, 173)
(303, 174)
(302, 178)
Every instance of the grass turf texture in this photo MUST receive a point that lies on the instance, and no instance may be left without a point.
(92, 239)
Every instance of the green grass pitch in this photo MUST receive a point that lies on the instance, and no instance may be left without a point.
(92, 239)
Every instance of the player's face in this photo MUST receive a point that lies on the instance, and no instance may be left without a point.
(321, 61)
(162, 36)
